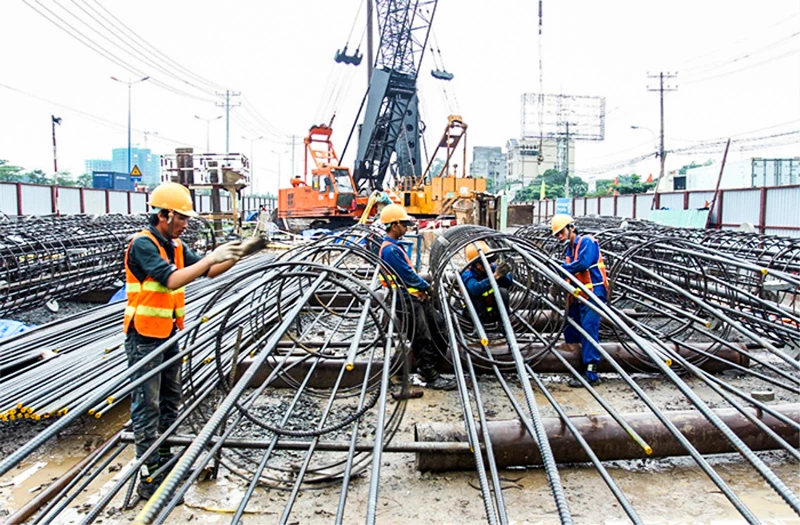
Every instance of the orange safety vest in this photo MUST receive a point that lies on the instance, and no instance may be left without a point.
(390, 281)
(585, 277)
(153, 307)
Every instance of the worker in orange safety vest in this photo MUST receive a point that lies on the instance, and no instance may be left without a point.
(157, 268)
(585, 262)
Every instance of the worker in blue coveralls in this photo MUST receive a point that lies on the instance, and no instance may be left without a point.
(396, 221)
(585, 262)
(477, 282)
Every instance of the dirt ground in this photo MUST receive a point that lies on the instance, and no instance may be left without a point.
(662, 491)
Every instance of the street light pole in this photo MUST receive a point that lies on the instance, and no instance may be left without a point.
(252, 164)
(129, 83)
(208, 129)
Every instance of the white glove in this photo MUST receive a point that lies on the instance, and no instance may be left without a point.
(230, 251)
(252, 245)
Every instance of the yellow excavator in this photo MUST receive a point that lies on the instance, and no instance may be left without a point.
(434, 194)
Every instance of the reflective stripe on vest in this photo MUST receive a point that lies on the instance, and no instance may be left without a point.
(585, 277)
(154, 309)
(390, 281)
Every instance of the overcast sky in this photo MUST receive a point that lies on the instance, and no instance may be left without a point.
(737, 61)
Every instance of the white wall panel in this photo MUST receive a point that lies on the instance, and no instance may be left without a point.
(783, 207)
(625, 206)
(94, 201)
(118, 202)
(69, 201)
(673, 201)
(139, 202)
(607, 206)
(8, 199)
(740, 206)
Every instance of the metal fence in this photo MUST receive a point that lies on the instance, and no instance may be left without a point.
(20, 198)
(773, 210)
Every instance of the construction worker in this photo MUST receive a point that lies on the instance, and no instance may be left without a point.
(298, 181)
(157, 268)
(476, 279)
(585, 262)
(396, 221)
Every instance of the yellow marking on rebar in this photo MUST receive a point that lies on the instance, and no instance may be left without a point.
(485, 342)
(764, 271)
(92, 411)
(208, 360)
(46, 415)
(668, 362)
(55, 350)
(205, 319)
(185, 359)
(64, 410)
(708, 324)
(30, 410)
(107, 350)
(19, 405)
(349, 367)
(110, 400)
(98, 415)
(648, 450)
(36, 417)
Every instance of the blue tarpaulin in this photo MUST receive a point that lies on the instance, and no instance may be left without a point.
(9, 327)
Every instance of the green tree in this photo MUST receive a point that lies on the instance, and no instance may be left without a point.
(9, 172)
(85, 180)
(64, 178)
(554, 181)
(37, 177)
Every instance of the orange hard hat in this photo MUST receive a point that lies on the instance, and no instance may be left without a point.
(472, 250)
(173, 196)
(560, 221)
(394, 213)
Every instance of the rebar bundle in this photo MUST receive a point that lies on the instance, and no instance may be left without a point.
(58, 257)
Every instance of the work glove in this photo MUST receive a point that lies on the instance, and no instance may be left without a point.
(502, 270)
(230, 251)
(555, 292)
(252, 245)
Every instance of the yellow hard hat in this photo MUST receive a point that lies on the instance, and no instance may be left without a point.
(173, 196)
(472, 250)
(394, 213)
(561, 221)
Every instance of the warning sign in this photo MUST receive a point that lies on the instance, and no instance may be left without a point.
(136, 172)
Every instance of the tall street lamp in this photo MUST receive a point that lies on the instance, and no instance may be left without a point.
(129, 83)
(252, 164)
(208, 122)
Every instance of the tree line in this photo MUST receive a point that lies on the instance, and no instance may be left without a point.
(12, 173)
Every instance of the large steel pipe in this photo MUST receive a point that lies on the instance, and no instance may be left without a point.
(513, 446)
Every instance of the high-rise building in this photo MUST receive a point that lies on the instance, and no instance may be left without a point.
(96, 165)
(148, 162)
(524, 160)
(490, 163)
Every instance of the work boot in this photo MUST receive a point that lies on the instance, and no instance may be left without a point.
(441, 383)
(148, 482)
(574, 382)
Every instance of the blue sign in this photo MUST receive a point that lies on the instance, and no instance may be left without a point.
(564, 205)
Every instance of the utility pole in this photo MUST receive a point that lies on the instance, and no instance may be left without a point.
(661, 89)
(566, 166)
(227, 105)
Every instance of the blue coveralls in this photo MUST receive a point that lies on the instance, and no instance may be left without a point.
(480, 290)
(395, 257)
(587, 258)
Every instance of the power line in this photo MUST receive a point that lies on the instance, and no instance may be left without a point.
(104, 121)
